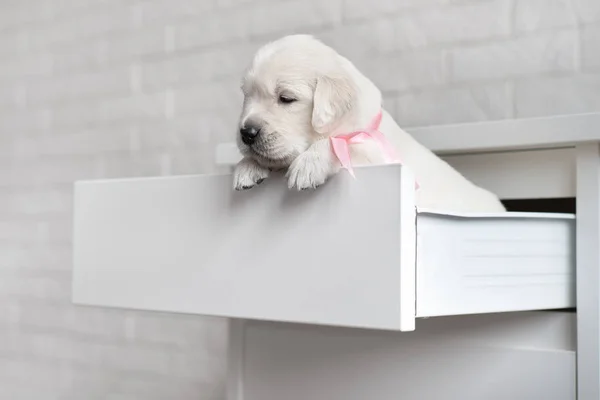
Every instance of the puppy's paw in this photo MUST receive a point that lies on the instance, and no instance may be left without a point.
(248, 174)
(307, 171)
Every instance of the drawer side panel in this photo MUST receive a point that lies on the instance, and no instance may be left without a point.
(485, 265)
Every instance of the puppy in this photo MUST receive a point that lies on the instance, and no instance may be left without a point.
(297, 93)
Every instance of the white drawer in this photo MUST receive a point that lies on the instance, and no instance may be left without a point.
(345, 254)
(516, 356)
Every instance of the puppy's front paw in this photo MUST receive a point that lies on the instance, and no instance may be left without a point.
(248, 174)
(307, 171)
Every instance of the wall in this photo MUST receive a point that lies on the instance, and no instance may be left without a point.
(111, 88)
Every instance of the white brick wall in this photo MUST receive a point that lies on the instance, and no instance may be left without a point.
(112, 88)
(591, 47)
(554, 51)
(532, 15)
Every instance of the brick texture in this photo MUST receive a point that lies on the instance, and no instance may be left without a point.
(591, 47)
(121, 88)
(531, 15)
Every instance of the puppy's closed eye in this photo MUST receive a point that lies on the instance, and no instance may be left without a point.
(286, 99)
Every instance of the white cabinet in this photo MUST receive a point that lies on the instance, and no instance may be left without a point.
(323, 287)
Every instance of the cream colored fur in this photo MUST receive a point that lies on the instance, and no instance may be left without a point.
(331, 96)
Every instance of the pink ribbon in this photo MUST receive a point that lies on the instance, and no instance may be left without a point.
(340, 144)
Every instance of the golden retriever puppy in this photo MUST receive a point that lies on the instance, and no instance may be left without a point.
(298, 92)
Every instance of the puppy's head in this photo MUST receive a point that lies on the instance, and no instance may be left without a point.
(297, 90)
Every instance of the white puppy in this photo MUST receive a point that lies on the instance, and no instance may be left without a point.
(297, 93)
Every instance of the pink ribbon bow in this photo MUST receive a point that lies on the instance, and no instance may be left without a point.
(340, 144)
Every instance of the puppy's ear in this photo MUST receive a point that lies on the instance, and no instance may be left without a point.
(334, 98)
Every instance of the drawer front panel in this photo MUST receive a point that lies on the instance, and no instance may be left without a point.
(340, 255)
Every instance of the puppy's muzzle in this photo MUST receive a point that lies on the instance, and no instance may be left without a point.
(249, 133)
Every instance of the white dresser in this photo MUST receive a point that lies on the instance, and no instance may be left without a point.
(430, 305)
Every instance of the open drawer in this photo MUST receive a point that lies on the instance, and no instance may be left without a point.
(352, 253)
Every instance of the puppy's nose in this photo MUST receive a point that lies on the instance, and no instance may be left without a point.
(249, 133)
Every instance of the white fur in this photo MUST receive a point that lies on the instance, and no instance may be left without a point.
(332, 97)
